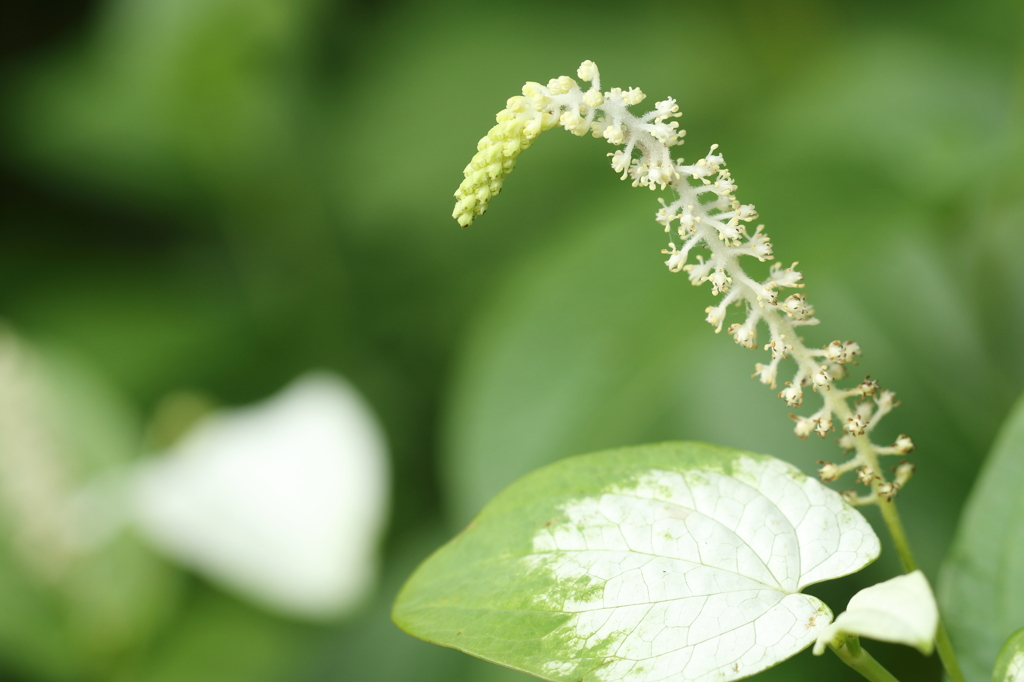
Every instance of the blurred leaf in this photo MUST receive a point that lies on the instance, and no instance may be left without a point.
(577, 353)
(164, 91)
(370, 648)
(982, 587)
(677, 561)
(75, 601)
(881, 100)
(219, 639)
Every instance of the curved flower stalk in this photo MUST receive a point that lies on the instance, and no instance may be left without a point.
(705, 213)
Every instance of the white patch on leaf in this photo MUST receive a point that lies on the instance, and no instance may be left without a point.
(696, 575)
(1015, 670)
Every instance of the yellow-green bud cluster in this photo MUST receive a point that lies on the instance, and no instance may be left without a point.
(518, 125)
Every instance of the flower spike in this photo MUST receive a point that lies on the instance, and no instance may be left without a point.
(705, 212)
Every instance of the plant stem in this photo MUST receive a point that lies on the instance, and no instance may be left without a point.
(899, 538)
(852, 654)
(946, 654)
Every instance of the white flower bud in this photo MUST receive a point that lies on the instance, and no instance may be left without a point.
(561, 85)
(719, 281)
(903, 444)
(758, 246)
(797, 307)
(792, 394)
(699, 271)
(633, 96)
(855, 425)
(904, 470)
(780, 349)
(766, 374)
(886, 400)
(716, 316)
(868, 387)
(587, 71)
(828, 471)
(822, 425)
(745, 334)
(786, 278)
(889, 490)
(804, 426)
(593, 98)
(666, 109)
(614, 135)
(676, 259)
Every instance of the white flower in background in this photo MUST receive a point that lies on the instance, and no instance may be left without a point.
(283, 502)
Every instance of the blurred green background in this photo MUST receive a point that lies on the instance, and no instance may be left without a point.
(218, 195)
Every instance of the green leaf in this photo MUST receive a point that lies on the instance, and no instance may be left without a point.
(670, 562)
(900, 610)
(982, 584)
(72, 598)
(1010, 664)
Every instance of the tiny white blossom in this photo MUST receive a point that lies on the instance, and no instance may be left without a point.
(715, 317)
(699, 272)
(821, 378)
(797, 307)
(904, 445)
(792, 394)
(855, 425)
(621, 161)
(766, 374)
(780, 349)
(841, 352)
(904, 470)
(865, 475)
(758, 246)
(822, 425)
(789, 277)
(745, 334)
(886, 400)
(804, 426)
(828, 471)
(676, 259)
(666, 109)
(719, 281)
(888, 490)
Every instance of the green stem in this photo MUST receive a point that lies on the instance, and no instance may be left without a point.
(852, 654)
(946, 654)
(899, 538)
